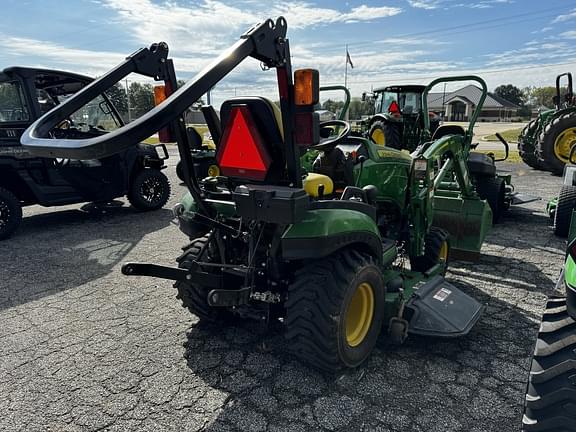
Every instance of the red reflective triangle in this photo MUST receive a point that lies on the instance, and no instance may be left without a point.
(394, 108)
(242, 152)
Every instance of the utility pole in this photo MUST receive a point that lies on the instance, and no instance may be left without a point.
(128, 100)
(346, 68)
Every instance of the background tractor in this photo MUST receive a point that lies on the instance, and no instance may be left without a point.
(28, 93)
(398, 120)
(551, 390)
(338, 253)
(545, 142)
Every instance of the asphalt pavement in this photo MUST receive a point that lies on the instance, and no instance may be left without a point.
(87, 349)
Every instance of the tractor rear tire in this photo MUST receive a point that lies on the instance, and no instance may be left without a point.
(334, 311)
(549, 147)
(526, 148)
(436, 251)
(551, 391)
(10, 213)
(563, 214)
(149, 190)
(386, 134)
(493, 190)
(195, 297)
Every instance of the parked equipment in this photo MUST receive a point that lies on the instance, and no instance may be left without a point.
(398, 120)
(326, 251)
(545, 142)
(551, 390)
(25, 95)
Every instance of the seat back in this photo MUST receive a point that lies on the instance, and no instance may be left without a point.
(252, 144)
(448, 130)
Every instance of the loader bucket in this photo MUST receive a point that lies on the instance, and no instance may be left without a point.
(468, 220)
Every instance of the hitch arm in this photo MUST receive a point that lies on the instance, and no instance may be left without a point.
(177, 274)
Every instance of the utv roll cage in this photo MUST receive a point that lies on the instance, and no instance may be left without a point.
(265, 42)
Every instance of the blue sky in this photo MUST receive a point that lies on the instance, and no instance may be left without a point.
(523, 42)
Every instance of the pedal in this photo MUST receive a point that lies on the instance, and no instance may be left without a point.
(440, 309)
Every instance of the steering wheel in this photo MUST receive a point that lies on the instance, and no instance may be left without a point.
(331, 142)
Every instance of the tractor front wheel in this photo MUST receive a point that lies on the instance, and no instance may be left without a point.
(386, 134)
(526, 147)
(10, 213)
(556, 141)
(334, 311)
(563, 214)
(436, 251)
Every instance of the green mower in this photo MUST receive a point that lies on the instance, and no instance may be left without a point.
(545, 142)
(551, 390)
(341, 252)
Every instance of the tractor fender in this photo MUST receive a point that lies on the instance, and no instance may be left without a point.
(325, 231)
(383, 117)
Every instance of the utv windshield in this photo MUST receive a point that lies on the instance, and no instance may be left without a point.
(408, 102)
(12, 103)
(96, 114)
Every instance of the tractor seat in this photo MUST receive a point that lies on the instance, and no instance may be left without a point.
(252, 142)
(481, 164)
(445, 130)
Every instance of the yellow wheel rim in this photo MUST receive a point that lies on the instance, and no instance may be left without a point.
(443, 254)
(359, 314)
(378, 137)
(564, 142)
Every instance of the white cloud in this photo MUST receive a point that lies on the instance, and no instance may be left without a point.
(425, 4)
(569, 34)
(566, 17)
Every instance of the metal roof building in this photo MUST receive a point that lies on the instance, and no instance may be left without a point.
(459, 104)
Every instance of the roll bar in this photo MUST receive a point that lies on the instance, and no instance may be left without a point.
(570, 90)
(478, 108)
(347, 98)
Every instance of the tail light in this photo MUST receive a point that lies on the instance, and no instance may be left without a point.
(306, 96)
(161, 93)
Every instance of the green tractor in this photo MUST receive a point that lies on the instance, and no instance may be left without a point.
(545, 142)
(339, 253)
(398, 120)
(550, 399)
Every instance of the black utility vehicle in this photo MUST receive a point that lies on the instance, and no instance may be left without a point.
(25, 95)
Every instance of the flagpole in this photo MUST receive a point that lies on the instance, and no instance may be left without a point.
(346, 68)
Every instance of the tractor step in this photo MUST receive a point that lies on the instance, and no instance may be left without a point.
(439, 309)
(520, 198)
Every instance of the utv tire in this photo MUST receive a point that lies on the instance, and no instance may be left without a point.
(526, 147)
(334, 310)
(559, 130)
(10, 213)
(180, 171)
(386, 134)
(149, 190)
(436, 250)
(493, 190)
(195, 297)
(551, 390)
(563, 214)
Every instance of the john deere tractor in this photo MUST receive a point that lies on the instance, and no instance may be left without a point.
(546, 141)
(551, 390)
(340, 253)
(398, 120)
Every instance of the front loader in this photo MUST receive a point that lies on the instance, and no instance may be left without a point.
(339, 252)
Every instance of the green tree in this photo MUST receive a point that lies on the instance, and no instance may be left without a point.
(117, 95)
(511, 93)
(141, 99)
(333, 106)
(359, 108)
(541, 96)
